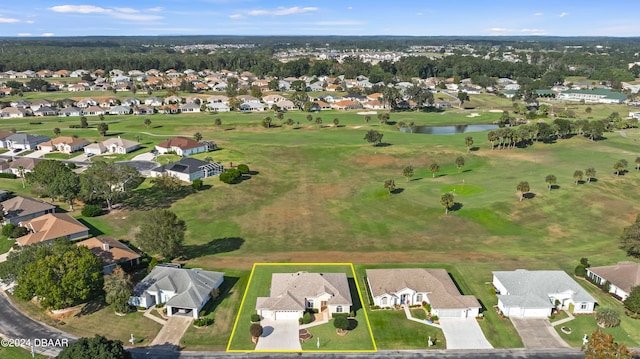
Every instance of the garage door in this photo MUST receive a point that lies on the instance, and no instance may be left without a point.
(280, 315)
(450, 313)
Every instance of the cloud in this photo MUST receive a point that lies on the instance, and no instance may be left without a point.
(30, 22)
(8, 20)
(507, 31)
(23, 34)
(125, 13)
(48, 34)
(500, 31)
(280, 11)
(538, 14)
(236, 16)
(339, 23)
(563, 14)
(534, 31)
(155, 9)
(349, 7)
(419, 13)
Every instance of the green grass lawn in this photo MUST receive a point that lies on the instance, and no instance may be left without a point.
(17, 353)
(61, 155)
(259, 286)
(418, 313)
(5, 244)
(392, 330)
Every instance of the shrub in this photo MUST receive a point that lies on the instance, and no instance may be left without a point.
(607, 318)
(306, 318)
(434, 318)
(35, 123)
(19, 231)
(7, 175)
(72, 166)
(230, 176)
(203, 322)
(256, 330)
(352, 314)
(341, 322)
(244, 169)
(159, 305)
(196, 184)
(7, 229)
(606, 287)
(581, 270)
(300, 321)
(632, 303)
(375, 307)
(426, 306)
(255, 317)
(91, 210)
(75, 126)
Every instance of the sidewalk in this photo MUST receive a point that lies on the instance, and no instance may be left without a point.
(407, 312)
(562, 321)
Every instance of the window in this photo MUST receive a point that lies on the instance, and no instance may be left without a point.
(309, 303)
(339, 309)
(583, 305)
(383, 301)
(419, 298)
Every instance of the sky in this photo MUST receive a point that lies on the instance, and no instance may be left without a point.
(326, 17)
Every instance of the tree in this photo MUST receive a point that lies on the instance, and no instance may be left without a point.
(374, 137)
(167, 183)
(590, 173)
(459, 162)
(319, 121)
(97, 347)
(630, 239)
(336, 122)
(632, 303)
(231, 175)
(522, 188)
(468, 141)
(577, 176)
(390, 185)
(217, 121)
(101, 117)
(60, 275)
(108, 181)
(256, 91)
(462, 97)
(447, 201)
(256, 331)
(53, 178)
(147, 122)
(341, 322)
(434, 168)
(407, 172)
(21, 174)
(588, 110)
(103, 128)
(83, 122)
(66, 184)
(117, 289)
(637, 163)
(607, 317)
(602, 346)
(243, 168)
(56, 131)
(551, 180)
(620, 166)
(266, 122)
(162, 232)
(232, 86)
(197, 136)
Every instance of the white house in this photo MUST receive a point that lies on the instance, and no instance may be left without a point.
(188, 169)
(64, 144)
(291, 294)
(183, 291)
(535, 294)
(411, 286)
(621, 277)
(112, 145)
(182, 146)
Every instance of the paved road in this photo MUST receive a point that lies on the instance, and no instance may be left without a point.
(146, 353)
(17, 326)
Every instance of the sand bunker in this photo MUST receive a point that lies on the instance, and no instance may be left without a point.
(368, 113)
(474, 114)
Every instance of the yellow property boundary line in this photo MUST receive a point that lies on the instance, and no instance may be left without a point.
(244, 297)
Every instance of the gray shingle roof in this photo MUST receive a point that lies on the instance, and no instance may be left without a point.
(531, 289)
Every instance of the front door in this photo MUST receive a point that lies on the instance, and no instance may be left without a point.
(323, 305)
(404, 299)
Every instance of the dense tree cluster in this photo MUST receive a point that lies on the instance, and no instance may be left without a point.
(97, 347)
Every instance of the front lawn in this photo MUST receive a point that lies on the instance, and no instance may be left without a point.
(356, 339)
(60, 155)
(17, 353)
(5, 244)
(392, 330)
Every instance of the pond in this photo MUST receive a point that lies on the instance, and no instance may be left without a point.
(450, 130)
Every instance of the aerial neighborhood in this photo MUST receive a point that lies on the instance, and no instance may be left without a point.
(362, 195)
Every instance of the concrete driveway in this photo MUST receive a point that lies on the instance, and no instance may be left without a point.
(279, 335)
(538, 334)
(463, 333)
(147, 156)
(37, 154)
(172, 331)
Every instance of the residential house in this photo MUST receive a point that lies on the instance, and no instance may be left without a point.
(153, 101)
(320, 106)
(218, 107)
(86, 102)
(120, 110)
(19, 209)
(273, 99)
(14, 112)
(287, 105)
(182, 146)
(112, 145)
(182, 291)
(622, 277)
(23, 104)
(291, 294)
(112, 252)
(172, 100)
(51, 226)
(63, 144)
(143, 110)
(536, 294)
(346, 105)
(93, 111)
(23, 165)
(247, 99)
(413, 286)
(107, 102)
(252, 107)
(218, 99)
(3, 135)
(45, 111)
(77, 87)
(70, 111)
(188, 169)
(24, 141)
(190, 107)
(592, 96)
(374, 105)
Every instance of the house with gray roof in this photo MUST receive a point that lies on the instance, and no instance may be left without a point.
(622, 277)
(24, 141)
(535, 294)
(183, 291)
(599, 95)
(188, 169)
(291, 294)
(19, 209)
(412, 286)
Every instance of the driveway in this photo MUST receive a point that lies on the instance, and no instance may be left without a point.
(279, 335)
(538, 334)
(80, 158)
(463, 333)
(147, 156)
(37, 154)
(172, 331)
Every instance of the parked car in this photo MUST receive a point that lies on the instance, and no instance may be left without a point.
(89, 154)
(17, 150)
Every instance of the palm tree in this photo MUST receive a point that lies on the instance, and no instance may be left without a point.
(197, 136)
(208, 159)
(21, 174)
(577, 175)
(56, 131)
(309, 118)
(522, 188)
(446, 201)
(637, 163)
(217, 122)
(336, 122)
(551, 180)
(434, 168)
(459, 162)
(147, 122)
(412, 126)
(468, 141)
(407, 172)
(389, 185)
(319, 121)
(590, 173)
(367, 118)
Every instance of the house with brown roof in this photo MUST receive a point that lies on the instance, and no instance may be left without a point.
(410, 286)
(64, 144)
(346, 105)
(19, 209)
(111, 251)
(182, 146)
(291, 294)
(112, 145)
(23, 165)
(621, 277)
(51, 226)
